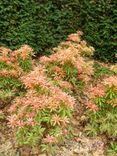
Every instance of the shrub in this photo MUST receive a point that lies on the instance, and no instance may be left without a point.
(102, 105)
(42, 93)
(12, 66)
(43, 113)
(41, 116)
(67, 63)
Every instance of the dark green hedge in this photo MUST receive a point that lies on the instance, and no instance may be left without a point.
(44, 23)
(99, 24)
(41, 24)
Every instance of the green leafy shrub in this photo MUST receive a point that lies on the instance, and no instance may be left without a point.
(112, 150)
(101, 70)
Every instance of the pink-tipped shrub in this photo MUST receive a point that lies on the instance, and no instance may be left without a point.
(40, 116)
(102, 106)
(13, 64)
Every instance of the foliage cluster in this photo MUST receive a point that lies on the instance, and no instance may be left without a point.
(102, 109)
(44, 93)
(13, 64)
(67, 62)
(100, 70)
(41, 116)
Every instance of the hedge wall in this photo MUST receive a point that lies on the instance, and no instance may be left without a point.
(44, 23)
(41, 24)
(98, 22)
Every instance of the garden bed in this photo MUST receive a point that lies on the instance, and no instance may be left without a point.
(62, 105)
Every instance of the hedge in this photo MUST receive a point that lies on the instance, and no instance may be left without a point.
(44, 23)
(98, 22)
(41, 24)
